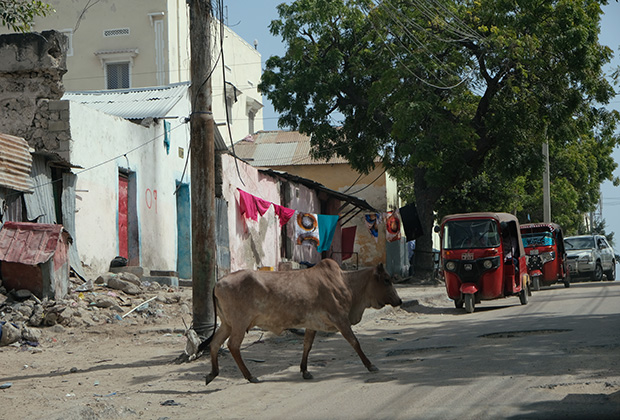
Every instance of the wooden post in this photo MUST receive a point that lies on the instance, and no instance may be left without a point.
(202, 152)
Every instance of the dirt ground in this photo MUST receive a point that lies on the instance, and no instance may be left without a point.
(105, 362)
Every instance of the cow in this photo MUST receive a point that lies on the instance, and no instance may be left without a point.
(320, 298)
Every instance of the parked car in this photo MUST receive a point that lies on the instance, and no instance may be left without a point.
(590, 256)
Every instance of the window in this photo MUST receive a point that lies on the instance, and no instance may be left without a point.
(251, 117)
(117, 66)
(252, 107)
(117, 75)
(115, 32)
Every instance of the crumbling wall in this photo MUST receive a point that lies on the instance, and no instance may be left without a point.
(31, 70)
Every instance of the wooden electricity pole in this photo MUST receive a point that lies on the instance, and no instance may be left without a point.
(202, 152)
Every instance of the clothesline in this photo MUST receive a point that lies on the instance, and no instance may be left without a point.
(319, 229)
(310, 228)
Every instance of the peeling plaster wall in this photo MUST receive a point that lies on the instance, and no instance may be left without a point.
(31, 70)
(256, 244)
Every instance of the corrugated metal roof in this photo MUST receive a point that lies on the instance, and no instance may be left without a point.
(279, 148)
(133, 104)
(354, 201)
(28, 243)
(15, 163)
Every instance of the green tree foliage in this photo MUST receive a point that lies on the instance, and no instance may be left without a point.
(455, 97)
(18, 15)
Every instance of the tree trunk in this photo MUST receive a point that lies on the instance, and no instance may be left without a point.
(425, 199)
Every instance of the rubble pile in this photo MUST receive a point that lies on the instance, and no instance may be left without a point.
(111, 298)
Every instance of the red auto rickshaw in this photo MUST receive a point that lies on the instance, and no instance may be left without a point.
(483, 258)
(544, 245)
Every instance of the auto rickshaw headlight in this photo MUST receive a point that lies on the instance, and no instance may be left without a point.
(450, 266)
(487, 264)
(547, 256)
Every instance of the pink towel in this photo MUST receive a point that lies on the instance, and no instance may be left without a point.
(283, 213)
(251, 206)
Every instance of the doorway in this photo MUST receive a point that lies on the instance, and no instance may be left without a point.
(184, 232)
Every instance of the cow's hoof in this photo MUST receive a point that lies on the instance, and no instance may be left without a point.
(373, 368)
(209, 378)
(253, 379)
(307, 375)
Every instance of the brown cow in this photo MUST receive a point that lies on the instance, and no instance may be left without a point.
(321, 298)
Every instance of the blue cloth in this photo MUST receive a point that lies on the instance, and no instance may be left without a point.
(167, 137)
(327, 228)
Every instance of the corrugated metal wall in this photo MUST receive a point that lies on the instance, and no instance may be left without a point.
(15, 163)
(40, 206)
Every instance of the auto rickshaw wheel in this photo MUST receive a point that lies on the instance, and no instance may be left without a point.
(469, 302)
(536, 283)
(567, 282)
(458, 303)
(523, 295)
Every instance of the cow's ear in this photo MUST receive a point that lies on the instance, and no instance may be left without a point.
(380, 268)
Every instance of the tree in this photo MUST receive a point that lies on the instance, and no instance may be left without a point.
(451, 95)
(18, 15)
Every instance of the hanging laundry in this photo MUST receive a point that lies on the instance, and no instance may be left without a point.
(348, 241)
(307, 229)
(283, 213)
(327, 227)
(251, 206)
(392, 226)
(411, 222)
(372, 221)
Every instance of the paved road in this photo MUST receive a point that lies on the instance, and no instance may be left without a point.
(556, 357)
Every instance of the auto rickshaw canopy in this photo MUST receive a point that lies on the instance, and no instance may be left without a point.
(507, 222)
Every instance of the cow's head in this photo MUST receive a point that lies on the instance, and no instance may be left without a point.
(382, 289)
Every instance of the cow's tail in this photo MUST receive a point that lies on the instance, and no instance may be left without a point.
(205, 344)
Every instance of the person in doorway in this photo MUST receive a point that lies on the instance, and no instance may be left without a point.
(411, 252)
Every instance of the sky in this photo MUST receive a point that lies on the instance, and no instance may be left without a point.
(250, 19)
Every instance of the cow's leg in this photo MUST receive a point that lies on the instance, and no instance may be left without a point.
(234, 345)
(219, 337)
(308, 340)
(347, 333)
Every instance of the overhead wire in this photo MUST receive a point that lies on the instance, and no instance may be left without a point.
(412, 54)
(220, 3)
(116, 157)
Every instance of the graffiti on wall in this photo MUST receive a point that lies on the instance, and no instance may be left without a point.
(150, 198)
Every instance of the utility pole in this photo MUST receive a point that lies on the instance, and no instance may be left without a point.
(202, 152)
(546, 191)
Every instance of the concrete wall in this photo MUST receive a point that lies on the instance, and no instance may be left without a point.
(31, 70)
(256, 244)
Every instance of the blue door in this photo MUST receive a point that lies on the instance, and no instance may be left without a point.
(184, 232)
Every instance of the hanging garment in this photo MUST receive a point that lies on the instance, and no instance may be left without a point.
(411, 222)
(372, 221)
(348, 241)
(327, 227)
(392, 226)
(252, 206)
(283, 213)
(307, 229)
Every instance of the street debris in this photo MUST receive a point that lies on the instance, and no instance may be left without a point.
(111, 298)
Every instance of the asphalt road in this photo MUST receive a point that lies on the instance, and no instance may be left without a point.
(556, 357)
